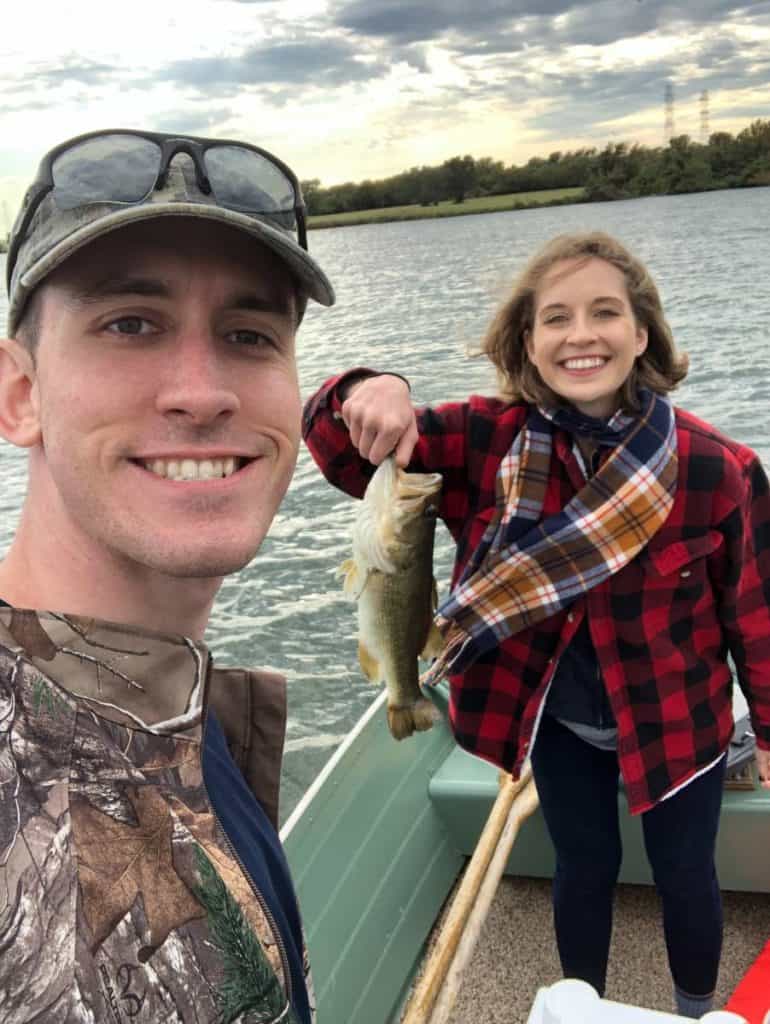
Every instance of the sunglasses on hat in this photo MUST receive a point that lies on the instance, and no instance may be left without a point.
(127, 166)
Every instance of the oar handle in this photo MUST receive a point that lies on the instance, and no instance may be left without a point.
(525, 804)
(447, 941)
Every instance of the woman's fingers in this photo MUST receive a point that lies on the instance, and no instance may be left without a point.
(380, 418)
(405, 446)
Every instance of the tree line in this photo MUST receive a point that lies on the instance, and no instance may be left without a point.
(618, 171)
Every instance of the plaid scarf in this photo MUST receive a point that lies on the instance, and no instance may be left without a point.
(527, 568)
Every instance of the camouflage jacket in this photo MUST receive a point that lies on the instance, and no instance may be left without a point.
(121, 899)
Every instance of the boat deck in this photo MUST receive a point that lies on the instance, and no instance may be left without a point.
(516, 953)
(377, 844)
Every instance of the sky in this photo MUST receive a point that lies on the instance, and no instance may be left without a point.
(344, 90)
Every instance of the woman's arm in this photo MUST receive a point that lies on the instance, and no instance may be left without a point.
(357, 418)
(745, 610)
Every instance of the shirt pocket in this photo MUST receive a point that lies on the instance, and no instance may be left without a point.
(683, 562)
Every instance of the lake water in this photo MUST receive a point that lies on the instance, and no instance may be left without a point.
(414, 297)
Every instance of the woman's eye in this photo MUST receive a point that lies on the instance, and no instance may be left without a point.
(607, 312)
(130, 325)
(556, 318)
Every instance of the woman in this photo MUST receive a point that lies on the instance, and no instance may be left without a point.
(611, 551)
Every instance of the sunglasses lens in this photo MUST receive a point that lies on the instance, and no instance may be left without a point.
(245, 180)
(109, 168)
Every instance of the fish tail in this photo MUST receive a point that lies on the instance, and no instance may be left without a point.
(418, 717)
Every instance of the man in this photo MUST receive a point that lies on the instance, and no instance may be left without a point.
(155, 287)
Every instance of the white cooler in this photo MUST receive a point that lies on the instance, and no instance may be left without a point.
(576, 1002)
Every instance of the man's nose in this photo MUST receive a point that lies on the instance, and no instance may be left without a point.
(196, 383)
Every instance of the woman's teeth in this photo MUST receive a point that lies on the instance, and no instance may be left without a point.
(192, 469)
(583, 363)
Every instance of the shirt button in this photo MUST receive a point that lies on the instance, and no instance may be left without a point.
(685, 573)
(571, 617)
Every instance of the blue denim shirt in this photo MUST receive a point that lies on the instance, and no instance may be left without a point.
(577, 693)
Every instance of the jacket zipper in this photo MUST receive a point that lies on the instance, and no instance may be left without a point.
(247, 875)
(265, 910)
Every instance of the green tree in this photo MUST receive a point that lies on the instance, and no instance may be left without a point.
(685, 167)
(460, 177)
(310, 193)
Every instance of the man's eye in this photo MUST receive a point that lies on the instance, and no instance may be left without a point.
(245, 336)
(130, 325)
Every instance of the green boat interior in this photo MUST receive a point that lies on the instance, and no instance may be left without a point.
(379, 840)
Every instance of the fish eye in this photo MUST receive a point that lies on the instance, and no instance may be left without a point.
(430, 512)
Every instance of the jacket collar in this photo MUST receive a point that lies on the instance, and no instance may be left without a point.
(160, 683)
(145, 680)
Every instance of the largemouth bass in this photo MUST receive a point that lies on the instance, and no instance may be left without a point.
(391, 577)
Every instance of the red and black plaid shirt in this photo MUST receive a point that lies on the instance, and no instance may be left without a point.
(662, 626)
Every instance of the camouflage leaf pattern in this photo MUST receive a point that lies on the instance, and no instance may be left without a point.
(103, 821)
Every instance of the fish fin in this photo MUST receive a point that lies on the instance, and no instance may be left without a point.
(347, 567)
(434, 643)
(352, 586)
(434, 595)
(369, 664)
(425, 714)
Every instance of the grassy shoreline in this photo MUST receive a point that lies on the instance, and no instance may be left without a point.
(482, 204)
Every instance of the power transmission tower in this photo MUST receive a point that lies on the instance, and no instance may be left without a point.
(668, 130)
(704, 116)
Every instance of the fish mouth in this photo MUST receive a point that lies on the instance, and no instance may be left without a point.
(418, 485)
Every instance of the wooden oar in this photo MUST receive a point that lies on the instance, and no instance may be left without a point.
(525, 803)
(427, 989)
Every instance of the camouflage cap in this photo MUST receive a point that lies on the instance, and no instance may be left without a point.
(54, 234)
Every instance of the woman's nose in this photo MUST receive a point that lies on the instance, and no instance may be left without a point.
(582, 329)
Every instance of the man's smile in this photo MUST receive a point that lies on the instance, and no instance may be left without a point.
(194, 469)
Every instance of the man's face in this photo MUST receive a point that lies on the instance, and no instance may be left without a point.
(167, 397)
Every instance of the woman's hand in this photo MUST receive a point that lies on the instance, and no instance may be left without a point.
(380, 418)
(763, 766)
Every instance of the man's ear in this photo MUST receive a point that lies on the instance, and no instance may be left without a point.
(19, 395)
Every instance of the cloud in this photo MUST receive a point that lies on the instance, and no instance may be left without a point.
(43, 84)
(322, 62)
(189, 121)
(404, 23)
(492, 25)
(71, 70)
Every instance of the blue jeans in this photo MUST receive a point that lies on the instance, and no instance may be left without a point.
(578, 788)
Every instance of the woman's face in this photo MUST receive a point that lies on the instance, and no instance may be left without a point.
(585, 337)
